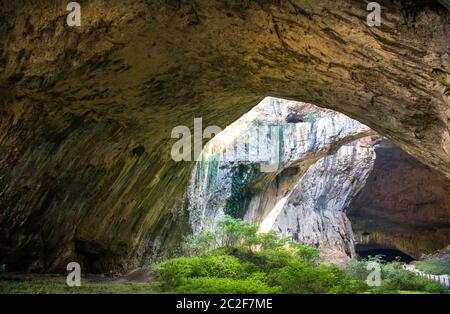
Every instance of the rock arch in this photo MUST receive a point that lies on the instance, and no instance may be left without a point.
(76, 102)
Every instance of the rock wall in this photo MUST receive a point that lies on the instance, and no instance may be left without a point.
(405, 205)
(136, 69)
(255, 163)
(315, 211)
(78, 189)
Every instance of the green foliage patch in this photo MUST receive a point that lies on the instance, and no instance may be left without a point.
(434, 266)
(437, 264)
(235, 258)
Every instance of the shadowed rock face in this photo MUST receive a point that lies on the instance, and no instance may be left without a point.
(86, 113)
(404, 205)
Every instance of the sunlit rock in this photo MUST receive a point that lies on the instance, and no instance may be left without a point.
(315, 211)
(249, 169)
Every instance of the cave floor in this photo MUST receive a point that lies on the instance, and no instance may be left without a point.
(139, 281)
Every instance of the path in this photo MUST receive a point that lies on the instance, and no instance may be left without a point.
(443, 279)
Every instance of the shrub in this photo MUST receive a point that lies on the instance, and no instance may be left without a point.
(173, 271)
(306, 253)
(350, 287)
(231, 233)
(299, 277)
(238, 267)
(269, 260)
(357, 270)
(221, 265)
(270, 241)
(198, 244)
(396, 278)
(235, 232)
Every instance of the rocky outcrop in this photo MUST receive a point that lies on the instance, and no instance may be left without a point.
(404, 205)
(86, 112)
(251, 167)
(315, 211)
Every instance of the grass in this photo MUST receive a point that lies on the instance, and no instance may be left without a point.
(434, 266)
(412, 292)
(59, 286)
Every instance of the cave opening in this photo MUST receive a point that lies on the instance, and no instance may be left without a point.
(385, 254)
(321, 178)
(403, 205)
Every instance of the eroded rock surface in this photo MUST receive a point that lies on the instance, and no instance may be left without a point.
(405, 205)
(251, 168)
(86, 112)
(315, 211)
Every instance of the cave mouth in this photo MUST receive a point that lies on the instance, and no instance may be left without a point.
(351, 187)
(386, 254)
(403, 205)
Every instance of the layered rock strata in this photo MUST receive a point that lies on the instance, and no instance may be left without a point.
(282, 166)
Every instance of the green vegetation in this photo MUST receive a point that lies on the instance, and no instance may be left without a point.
(310, 117)
(436, 264)
(237, 204)
(237, 270)
(59, 286)
(256, 123)
(236, 259)
(441, 76)
(395, 279)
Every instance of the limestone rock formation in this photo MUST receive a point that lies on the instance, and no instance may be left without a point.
(315, 211)
(404, 205)
(86, 112)
(252, 166)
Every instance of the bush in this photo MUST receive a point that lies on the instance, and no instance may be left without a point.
(269, 260)
(173, 271)
(215, 272)
(235, 232)
(215, 264)
(357, 270)
(231, 233)
(299, 277)
(306, 253)
(396, 278)
(198, 244)
(269, 241)
(221, 265)
(249, 262)
(350, 287)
